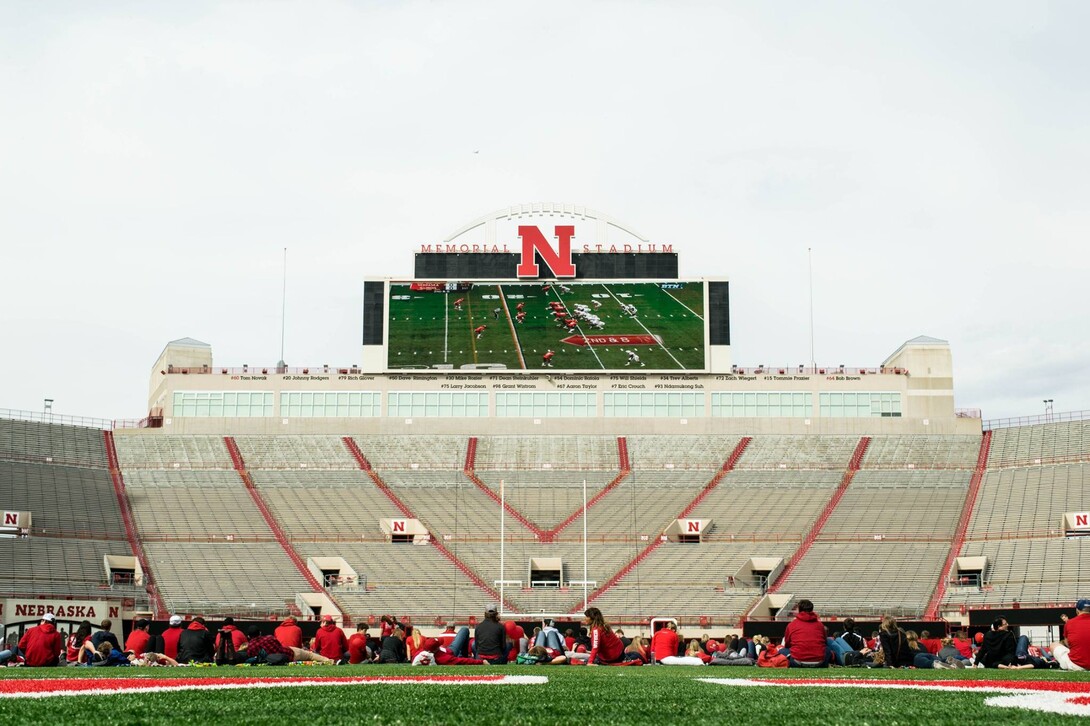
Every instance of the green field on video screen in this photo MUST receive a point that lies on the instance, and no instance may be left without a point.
(624, 325)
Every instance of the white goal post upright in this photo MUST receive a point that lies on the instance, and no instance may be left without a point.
(503, 510)
(503, 579)
(585, 544)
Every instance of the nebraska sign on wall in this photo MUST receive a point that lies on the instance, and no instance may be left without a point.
(21, 611)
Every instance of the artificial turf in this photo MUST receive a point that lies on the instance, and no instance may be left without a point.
(426, 330)
(654, 695)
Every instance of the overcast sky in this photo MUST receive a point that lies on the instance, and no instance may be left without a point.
(156, 158)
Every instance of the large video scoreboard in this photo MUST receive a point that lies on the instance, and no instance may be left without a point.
(567, 325)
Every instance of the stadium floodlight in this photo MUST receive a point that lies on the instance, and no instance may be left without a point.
(48, 405)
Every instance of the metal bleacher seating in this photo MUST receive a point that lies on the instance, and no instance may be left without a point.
(414, 452)
(881, 549)
(461, 511)
(294, 452)
(767, 505)
(868, 578)
(63, 500)
(325, 504)
(51, 443)
(205, 513)
(237, 577)
(1067, 441)
(920, 504)
(539, 452)
(922, 452)
(54, 566)
(632, 509)
(1030, 500)
(689, 580)
(1035, 474)
(171, 452)
(1029, 571)
(798, 452)
(545, 497)
(679, 452)
(392, 570)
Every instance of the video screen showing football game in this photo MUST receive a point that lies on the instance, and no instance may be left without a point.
(540, 325)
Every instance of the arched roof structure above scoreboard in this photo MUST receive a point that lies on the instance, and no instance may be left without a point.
(562, 237)
(500, 226)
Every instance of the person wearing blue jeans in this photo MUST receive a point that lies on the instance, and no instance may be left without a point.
(920, 657)
(550, 637)
(460, 645)
(923, 659)
(1022, 657)
(792, 663)
(952, 656)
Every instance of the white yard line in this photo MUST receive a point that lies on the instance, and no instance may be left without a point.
(446, 325)
(653, 336)
(511, 323)
(579, 328)
(698, 317)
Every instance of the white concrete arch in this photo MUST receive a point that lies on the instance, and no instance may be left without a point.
(499, 226)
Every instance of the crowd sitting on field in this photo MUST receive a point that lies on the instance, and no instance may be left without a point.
(807, 643)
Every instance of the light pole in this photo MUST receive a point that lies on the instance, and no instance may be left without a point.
(47, 406)
(1048, 409)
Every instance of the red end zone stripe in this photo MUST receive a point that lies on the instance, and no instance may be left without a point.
(41, 687)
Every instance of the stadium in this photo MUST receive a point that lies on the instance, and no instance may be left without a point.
(545, 416)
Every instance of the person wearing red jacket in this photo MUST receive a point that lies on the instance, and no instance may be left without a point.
(76, 641)
(41, 645)
(139, 639)
(170, 636)
(771, 657)
(357, 645)
(933, 645)
(1075, 656)
(805, 637)
(237, 636)
(445, 656)
(605, 646)
(289, 633)
(447, 636)
(664, 643)
(330, 640)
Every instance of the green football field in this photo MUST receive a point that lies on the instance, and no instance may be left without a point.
(427, 329)
(569, 695)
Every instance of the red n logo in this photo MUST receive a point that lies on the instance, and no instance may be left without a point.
(11, 518)
(399, 525)
(1081, 520)
(558, 260)
(693, 526)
